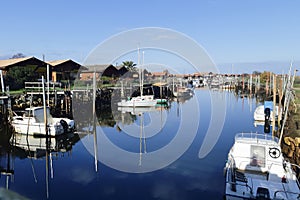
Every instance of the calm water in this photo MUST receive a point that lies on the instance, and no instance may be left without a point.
(158, 160)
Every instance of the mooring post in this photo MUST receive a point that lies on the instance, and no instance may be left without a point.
(274, 104)
(280, 93)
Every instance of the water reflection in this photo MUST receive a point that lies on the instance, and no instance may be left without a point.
(28, 146)
(133, 130)
(32, 149)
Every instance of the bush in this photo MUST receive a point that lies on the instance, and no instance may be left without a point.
(17, 76)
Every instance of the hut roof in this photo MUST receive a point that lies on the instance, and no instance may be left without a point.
(98, 68)
(57, 62)
(6, 64)
(65, 65)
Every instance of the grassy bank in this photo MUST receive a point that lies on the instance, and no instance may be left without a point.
(293, 122)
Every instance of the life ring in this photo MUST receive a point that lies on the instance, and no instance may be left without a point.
(274, 152)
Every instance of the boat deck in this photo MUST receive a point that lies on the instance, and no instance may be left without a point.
(256, 168)
(252, 180)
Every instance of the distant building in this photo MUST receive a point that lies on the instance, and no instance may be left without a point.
(64, 70)
(39, 67)
(106, 70)
(163, 74)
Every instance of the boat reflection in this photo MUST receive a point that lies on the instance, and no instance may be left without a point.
(24, 146)
(36, 147)
(136, 110)
(144, 122)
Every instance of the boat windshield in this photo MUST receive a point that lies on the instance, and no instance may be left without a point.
(39, 116)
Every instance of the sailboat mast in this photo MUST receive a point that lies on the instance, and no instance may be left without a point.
(140, 72)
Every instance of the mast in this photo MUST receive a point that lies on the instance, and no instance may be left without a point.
(140, 73)
(142, 70)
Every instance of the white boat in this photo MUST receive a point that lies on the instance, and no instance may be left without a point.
(215, 83)
(256, 169)
(32, 123)
(137, 110)
(183, 92)
(259, 113)
(139, 101)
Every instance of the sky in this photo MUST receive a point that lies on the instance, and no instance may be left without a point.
(236, 35)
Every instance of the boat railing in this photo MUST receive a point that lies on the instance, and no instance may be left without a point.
(286, 193)
(241, 184)
(295, 165)
(231, 179)
(257, 136)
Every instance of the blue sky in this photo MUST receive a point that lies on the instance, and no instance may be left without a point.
(258, 33)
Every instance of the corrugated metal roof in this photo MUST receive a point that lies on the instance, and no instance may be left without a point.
(14, 61)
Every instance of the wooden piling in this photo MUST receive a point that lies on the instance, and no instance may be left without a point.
(274, 104)
(280, 93)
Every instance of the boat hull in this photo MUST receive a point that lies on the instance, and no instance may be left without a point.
(37, 129)
(136, 104)
(161, 101)
(32, 123)
(140, 101)
(232, 197)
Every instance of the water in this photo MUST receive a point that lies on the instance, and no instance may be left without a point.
(159, 161)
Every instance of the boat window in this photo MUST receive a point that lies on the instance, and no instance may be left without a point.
(28, 114)
(257, 155)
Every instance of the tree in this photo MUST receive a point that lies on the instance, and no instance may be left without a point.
(18, 55)
(18, 75)
(256, 73)
(265, 76)
(130, 66)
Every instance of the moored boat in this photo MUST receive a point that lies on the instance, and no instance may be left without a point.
(256, 169)
(260, 115)
(139, 101)
(32, 123)
(184, 92)
(162, 101)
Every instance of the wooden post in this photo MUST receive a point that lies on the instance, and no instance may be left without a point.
(94, 93)
(48, 85)
(2, 81)
(280, 93)
(243, 82)
(250, 84)
(55, 98)
(44, 105)
(94, 123)
(270, 85)
(258, 84)
(274, 104)
(122, 89)
(267, 87)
